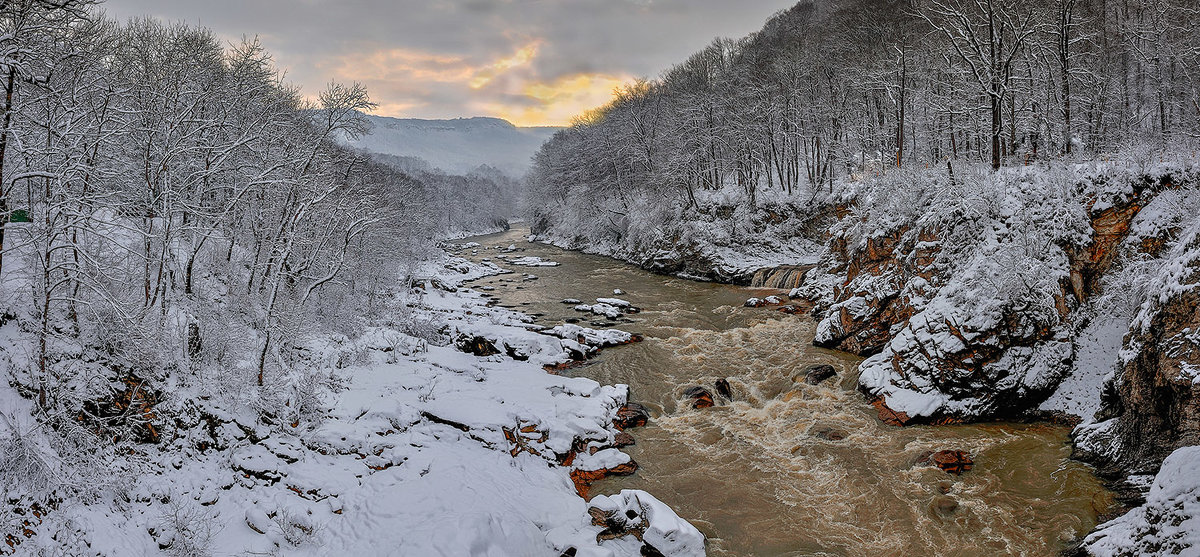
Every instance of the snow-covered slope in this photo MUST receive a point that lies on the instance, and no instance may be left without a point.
(456, 146)
(420, 449)
(1167, 524)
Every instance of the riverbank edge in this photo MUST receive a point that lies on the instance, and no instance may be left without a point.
(1128, 495)
(324, 485)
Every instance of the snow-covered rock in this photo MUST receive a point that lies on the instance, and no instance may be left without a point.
(959, 318)
(658, 525)
(532, 261)
(1169, 521)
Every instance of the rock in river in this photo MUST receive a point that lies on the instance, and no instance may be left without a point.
(816, 374)
(724, 389)
(699, 396)
(952, 461)
(631, 415)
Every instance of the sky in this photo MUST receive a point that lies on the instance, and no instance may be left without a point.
(532, 62)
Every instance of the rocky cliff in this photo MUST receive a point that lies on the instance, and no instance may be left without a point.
(964, 293)
(1152, 403)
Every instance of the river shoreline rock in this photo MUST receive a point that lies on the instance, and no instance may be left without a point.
(631, 415)
(638, 514)
(899, 299)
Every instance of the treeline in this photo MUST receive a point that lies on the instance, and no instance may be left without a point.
(833, 90)
(170, 205)
(479, 202)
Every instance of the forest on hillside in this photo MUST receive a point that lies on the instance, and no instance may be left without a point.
(832, 91)
(172, 208)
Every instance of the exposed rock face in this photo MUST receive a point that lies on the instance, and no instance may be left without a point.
(1152, 405)
(959, 320)
(871, 296)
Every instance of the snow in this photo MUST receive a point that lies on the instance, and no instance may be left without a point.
(1096, 349)
(532, 261)
(596, 337)
(617, 302)
(1167, 524)
(664, 530)
(611, 312)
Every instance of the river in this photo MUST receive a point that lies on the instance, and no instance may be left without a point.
(788, 468)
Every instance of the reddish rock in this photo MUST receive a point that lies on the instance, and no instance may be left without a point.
(699, 396)
(889, 416)
(631, 415)
(792, 309)
(623, 439)
(584, 478)
(952, 461)
(1156, 398)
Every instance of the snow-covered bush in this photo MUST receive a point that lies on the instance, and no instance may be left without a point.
(186, 529)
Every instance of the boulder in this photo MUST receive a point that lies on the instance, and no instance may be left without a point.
(476, 345)
(588, 468)
(828, 433)
(630, 415)
(724, 389)
(818, 373)
(952, 461)
(623, 439)
(637, 513)
(943, 506)
(699, 396)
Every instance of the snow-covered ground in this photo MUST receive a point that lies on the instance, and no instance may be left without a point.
(423, 449)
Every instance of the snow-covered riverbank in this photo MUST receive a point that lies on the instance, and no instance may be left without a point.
(421, 449)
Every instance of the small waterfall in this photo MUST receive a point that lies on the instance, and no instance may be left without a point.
(783, 277)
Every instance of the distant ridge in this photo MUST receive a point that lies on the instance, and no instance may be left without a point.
(458, 145)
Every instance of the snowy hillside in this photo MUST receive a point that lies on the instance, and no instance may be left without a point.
(456, 146)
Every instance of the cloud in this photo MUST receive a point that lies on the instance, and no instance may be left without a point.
(529, 60)
(556, 103)
(521, 58)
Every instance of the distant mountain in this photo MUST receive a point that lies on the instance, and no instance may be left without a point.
(456, 146)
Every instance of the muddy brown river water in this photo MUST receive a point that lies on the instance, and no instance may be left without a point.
(754, 474)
